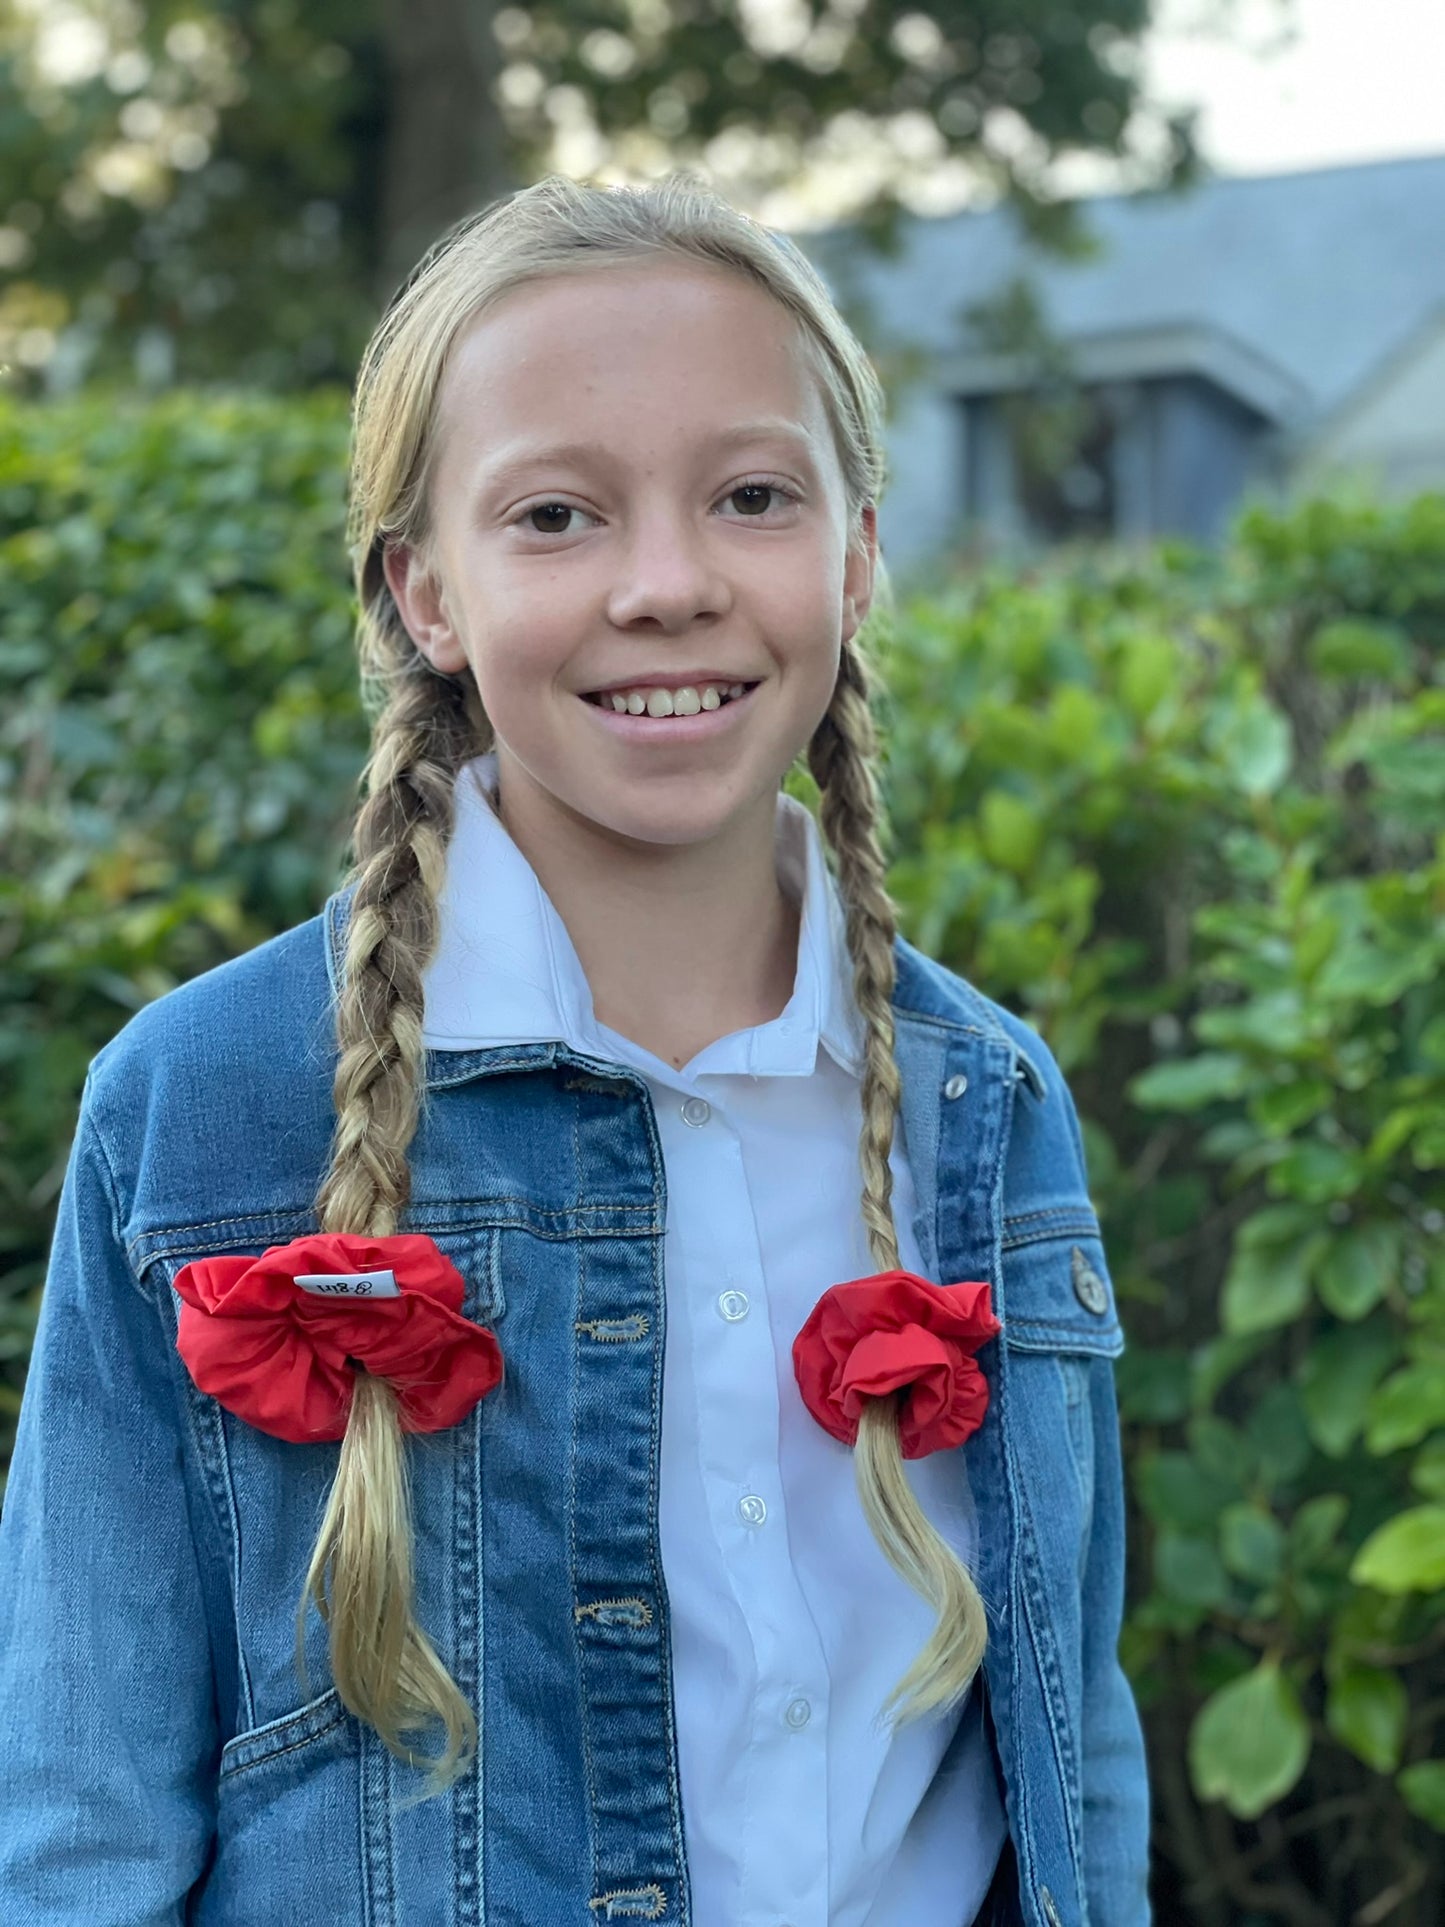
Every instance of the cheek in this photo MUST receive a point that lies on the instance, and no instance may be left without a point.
(518, 651)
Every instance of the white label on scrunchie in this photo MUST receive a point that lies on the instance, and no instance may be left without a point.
(351, 1284)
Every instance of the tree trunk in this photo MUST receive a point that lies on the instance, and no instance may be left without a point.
(446, 151)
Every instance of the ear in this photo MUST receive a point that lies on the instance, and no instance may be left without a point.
(421, 602)
(858, 571)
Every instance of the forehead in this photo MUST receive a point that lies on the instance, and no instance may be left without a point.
(638, 356)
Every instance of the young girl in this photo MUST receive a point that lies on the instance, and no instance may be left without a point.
(697, 1355)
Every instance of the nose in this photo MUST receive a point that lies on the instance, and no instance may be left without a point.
(667, 574)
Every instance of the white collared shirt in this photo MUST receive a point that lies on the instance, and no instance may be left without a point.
(789, 1627)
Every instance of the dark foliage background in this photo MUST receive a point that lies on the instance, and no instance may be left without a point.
(1184, 811)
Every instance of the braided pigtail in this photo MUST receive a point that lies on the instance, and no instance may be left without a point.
(841, 757)
(384, 1667)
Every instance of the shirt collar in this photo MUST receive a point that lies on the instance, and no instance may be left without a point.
(506, 971)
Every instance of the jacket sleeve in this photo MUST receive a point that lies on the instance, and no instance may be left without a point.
(1115, 1775)
(1115, 1785)
(108, 1728)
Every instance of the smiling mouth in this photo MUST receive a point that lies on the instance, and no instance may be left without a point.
(688, 700)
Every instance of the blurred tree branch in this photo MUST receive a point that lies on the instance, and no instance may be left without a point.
(225, 189)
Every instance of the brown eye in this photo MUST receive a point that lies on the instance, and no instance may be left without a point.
(755, 489)
(549, 508)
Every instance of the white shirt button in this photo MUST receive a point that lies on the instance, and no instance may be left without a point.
(696, 1111)
(798, 1714)
(752, 1510)
(733, 1305)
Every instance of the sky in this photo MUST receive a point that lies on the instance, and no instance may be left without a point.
(1362, 80)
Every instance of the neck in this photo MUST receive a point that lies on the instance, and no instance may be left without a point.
(680, 944)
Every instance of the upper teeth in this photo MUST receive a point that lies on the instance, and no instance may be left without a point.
(686, 701)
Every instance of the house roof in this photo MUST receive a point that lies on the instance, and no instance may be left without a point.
(1290, 290)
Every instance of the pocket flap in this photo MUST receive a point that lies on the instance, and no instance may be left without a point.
(1058, 1296)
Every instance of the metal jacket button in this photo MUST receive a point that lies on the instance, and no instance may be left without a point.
(1089, 1288)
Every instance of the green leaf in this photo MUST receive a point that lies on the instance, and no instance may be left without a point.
(1011, 831)
(1315, 1172)
(1351, 647)
(1249, 1742)
(1258, 747)
(1188, 1569)
(1284, 1107)
(1252, 1544)
(1410, 1403)
(1427, 1474)
(1315, 1527)
(1153, 1386)
(1359, 1268)
(1191, 1083)
(1366, 1710)
(1221, 1450)
(1216, 1362)
(1278, 1431)
(1267, 1284)
(1337, 1377)
(1422, 1788)
(1406, 1554)
(1432, 1042)
(1175, 1491)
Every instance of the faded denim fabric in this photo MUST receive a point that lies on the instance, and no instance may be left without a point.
(160, 1762)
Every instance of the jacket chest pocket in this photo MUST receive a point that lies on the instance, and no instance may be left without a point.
(260, 1500)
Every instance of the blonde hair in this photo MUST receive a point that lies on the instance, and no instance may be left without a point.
(427, 725)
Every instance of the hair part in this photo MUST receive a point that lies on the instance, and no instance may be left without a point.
(427, 725)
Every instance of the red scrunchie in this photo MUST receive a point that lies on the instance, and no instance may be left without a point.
(877, 1335)
(278, 1355)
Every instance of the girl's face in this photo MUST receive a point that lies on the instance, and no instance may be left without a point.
(690, 535)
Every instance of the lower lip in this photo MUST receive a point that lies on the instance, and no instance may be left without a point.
(670, 729)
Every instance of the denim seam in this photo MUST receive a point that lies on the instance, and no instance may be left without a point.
(208, 1429)
(1050, 1678)
(584, 1711)
(1037, 1226)
(1023, 1798)
(378, 1876)
(659, 1586)
(227, 1774)
(1097, 1327)
(1051, 1235)
(469, 1612)
(290, 1214)
(112, 1198)
(1048, 1213)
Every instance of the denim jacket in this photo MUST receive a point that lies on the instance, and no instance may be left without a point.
(160, 1760)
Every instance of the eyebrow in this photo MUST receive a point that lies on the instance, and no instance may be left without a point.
(521, 455)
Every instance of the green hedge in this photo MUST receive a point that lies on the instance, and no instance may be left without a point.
(1183, 810)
